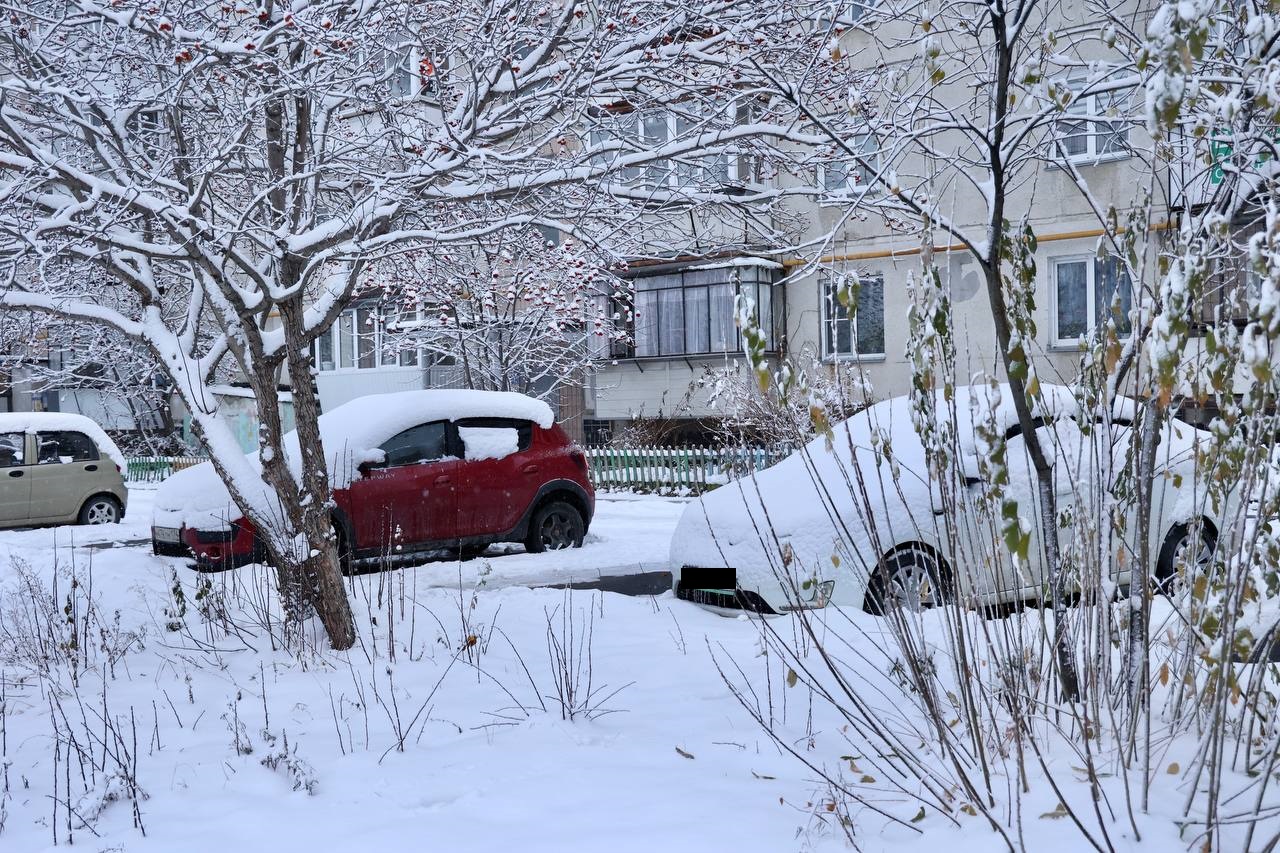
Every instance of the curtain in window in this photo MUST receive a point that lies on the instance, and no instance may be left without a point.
(366, 331)
(864, 333)
(1112, 136)
(597, 338)
(654, 133)
(697, 326)
(646, 337)
(346, 339)
(835, 177)
(724, 333)
(1072, 299)
(1075, 134)
(671, 321)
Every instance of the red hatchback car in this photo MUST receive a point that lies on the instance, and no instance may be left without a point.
(472, 468)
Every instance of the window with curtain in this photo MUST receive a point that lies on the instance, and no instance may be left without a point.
(691, 312)
(1089, 291)
(364, 338)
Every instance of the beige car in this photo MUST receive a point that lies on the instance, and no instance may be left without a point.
(58, 468)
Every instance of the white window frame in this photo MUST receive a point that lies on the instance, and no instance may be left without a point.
(829, 354)
(852, 189)
(413, 57)
(382, 360)
(1091, 299)
(739, 166)
(849, 14)
(1095, 104)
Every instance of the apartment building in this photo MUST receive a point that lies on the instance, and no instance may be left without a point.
(685, 322)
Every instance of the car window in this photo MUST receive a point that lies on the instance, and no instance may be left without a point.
(524, 429)
(64, 447)
(488, 442)
(12, 446)
(423, 443)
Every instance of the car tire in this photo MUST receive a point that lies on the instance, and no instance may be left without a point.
(100, 509)
(1174, 550)
(554, 527)
(913, 578)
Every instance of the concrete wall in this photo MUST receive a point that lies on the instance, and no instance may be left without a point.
(342, 386)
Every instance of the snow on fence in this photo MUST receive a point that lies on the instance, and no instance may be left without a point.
(693, 469)
(153, 469)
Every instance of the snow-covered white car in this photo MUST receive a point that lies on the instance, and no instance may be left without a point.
(861, 522)
(411, 472)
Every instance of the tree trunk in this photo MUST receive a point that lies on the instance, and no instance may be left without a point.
(1138, 664)
(321, 568)
(1068, 674)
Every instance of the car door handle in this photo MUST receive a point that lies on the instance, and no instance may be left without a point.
(530, 469)
(91, 467)
(443, 480)
(16, 473)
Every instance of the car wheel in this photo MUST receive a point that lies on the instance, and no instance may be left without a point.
(555, 527)
(100, 509)
(1188, 549)
(913, 578)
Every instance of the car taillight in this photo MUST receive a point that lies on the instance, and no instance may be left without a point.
(580, 459)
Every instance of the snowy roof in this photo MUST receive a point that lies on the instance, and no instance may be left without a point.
(742, 261)
(53, 421)
(237, 391)
(350, 435)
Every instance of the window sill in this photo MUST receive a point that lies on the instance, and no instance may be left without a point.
(691, 356)
(1086, 160)
(854, 358)
(1075, 345)
(848, 197)
(353, 371)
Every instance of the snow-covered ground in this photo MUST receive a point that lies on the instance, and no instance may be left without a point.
(474, 714)
(659, 754)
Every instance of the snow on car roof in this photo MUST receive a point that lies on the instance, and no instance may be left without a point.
(974, 404)
(350, 434)
(59, 421)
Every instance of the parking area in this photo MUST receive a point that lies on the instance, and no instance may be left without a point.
(626, 549)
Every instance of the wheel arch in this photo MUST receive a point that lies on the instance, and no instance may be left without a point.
(101, 493)
(1173, 535)
(557, 490)
(944, 566)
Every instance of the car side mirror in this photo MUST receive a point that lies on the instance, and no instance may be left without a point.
(364, 468)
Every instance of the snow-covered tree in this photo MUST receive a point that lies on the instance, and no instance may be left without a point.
(235, 171)
(517, 312)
